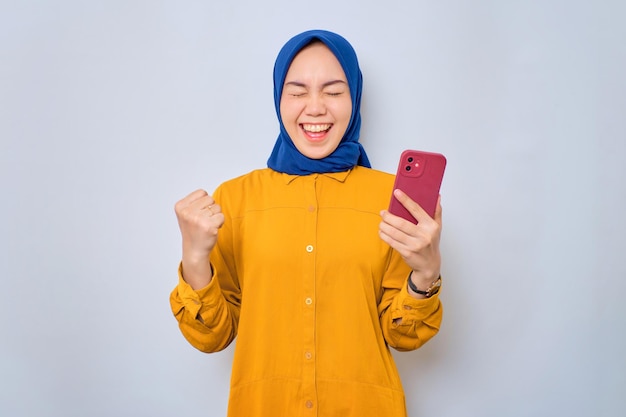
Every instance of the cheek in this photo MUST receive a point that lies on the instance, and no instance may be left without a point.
(288, 112)
(289, 119)
(345, 112)
(282, 109)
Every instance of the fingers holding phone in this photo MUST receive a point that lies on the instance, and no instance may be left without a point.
(417, 212)
(412, 225)
(418, 244)
(408, 237)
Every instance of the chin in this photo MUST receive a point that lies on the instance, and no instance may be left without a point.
(314, 153)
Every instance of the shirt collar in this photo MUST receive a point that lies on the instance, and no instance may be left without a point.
(337, 176)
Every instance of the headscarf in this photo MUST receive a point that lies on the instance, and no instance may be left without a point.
(285, 156)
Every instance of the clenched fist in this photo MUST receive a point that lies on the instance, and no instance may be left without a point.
(199, 219)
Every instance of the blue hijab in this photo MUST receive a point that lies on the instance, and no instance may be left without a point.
(285, 157)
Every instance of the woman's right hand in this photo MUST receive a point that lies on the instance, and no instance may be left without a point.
(199, 220)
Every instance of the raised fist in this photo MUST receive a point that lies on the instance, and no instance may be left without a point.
(199, 219)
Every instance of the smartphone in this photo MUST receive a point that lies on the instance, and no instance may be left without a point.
(419, 175)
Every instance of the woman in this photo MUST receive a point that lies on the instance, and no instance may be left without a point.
(299, 262)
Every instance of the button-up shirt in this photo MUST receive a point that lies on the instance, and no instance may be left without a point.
(313, 295)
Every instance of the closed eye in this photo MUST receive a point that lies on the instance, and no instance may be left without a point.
(335, 88)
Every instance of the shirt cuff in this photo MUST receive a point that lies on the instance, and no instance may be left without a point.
(410, 308)
(195, 300)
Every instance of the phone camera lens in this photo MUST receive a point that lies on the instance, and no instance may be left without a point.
(410, 159)
(408, 167)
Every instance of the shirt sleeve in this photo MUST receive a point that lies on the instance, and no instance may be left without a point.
(407, 322)
(208, 318)
(205, 318)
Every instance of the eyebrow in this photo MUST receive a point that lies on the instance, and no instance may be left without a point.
(326, 84)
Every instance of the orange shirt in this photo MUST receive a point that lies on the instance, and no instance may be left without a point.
(313, 295)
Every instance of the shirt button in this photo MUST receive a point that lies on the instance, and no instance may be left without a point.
(309, 404)
(308, 355)
(308, 301)
(309, 248)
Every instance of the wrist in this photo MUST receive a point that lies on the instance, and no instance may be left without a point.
(426, 288)
(197, 272)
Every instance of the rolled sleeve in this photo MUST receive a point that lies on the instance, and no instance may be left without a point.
(412, 322)
(203, 315)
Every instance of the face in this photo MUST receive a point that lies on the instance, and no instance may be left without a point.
(315, 104)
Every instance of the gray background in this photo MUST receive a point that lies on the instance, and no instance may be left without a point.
(111, 111)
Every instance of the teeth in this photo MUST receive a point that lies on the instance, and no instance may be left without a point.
(316, 128)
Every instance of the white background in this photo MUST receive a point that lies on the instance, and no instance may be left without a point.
(111, 111)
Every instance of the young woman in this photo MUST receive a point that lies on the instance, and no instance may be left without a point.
(301, 262)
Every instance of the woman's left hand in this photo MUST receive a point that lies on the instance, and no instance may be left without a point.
(417, 243)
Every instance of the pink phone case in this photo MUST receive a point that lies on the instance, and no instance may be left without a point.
(419, 175)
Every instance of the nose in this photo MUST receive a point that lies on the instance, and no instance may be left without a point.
(315, 105)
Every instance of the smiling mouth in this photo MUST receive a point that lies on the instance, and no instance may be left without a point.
(316, 128)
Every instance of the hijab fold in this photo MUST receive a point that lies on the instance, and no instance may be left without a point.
(285, 156)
